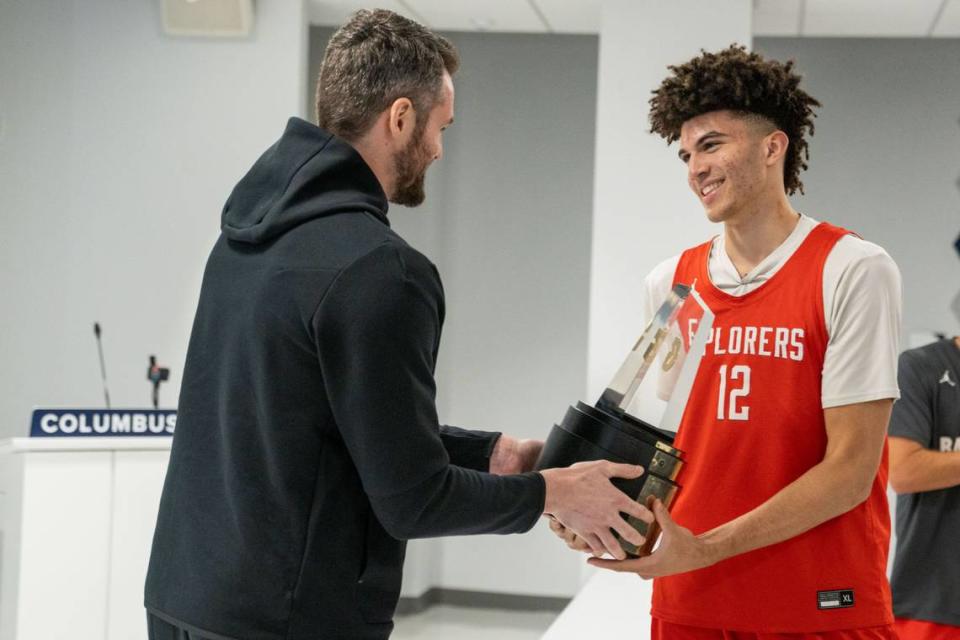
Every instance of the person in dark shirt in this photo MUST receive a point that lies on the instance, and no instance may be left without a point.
(307, 446)
(925, 472)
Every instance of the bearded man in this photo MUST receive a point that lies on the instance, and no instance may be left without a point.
(307, 446)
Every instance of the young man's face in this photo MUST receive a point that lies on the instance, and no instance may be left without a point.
(724, 154)
(412, 162)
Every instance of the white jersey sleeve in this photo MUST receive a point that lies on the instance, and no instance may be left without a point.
(862, 305)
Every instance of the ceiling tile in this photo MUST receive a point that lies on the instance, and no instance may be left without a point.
(869, 18)
(471, 15)
(949, 23)
(776, 18)
(564, 16)
(336, 12)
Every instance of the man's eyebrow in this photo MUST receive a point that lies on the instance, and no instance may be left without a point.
(710, 134)
(705, 137)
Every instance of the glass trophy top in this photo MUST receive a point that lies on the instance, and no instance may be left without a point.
(655, 380)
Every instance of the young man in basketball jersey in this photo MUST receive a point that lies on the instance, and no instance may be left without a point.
(781, 528)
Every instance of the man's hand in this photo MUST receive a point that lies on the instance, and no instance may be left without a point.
(679, 551)
(583, 500)
(511, 455)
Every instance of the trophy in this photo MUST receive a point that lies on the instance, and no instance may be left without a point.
(650, 388)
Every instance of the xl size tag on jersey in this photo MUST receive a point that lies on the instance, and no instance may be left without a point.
(835, 599)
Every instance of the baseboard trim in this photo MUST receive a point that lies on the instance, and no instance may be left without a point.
(479, 599)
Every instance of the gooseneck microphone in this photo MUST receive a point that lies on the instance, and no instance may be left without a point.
(103, 368)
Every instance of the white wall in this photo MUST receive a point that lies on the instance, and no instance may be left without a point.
(118, 147)
(516, 201)
(885, 160)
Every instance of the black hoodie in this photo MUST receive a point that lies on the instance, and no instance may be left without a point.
(307, 444)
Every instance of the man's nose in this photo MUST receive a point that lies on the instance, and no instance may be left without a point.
(696, 169)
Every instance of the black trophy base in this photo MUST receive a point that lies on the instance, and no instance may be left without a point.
(589, 433)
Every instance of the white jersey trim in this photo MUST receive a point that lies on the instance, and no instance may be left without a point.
(840, 401)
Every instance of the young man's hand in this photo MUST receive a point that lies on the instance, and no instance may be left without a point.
(573, 541)
(511, 455)
(679, 551)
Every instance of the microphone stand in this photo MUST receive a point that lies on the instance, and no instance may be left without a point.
(103, 368)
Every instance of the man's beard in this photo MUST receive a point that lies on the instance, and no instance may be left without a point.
(411, 165)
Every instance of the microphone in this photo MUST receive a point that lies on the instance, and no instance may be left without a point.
(157, 374)
(103, 368)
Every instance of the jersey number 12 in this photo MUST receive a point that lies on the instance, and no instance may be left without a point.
(729, 407)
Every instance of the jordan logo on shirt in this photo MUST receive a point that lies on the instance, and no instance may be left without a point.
(946, 379)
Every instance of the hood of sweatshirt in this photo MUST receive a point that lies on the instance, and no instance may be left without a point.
(308, 173)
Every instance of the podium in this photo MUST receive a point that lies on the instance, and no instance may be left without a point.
(76, 523)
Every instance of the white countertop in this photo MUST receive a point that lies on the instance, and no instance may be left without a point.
(88, 443)
(610, 605)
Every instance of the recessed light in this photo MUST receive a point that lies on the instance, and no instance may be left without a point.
(483, 24)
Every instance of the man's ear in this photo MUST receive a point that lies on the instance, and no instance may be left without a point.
(775, 146)
(401, 122)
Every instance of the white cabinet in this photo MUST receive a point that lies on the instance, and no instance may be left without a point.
(76, 524)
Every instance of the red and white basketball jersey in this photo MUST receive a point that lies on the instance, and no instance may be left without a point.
(753, 425)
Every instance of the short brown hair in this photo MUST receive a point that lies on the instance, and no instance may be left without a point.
(371, 61)
(737, 80)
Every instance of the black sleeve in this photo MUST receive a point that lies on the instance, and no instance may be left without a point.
(377, 331)
(912, 415)
(468, 448)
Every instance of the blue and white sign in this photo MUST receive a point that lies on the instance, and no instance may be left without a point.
(92, 423)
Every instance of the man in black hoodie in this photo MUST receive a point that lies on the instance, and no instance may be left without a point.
(307, 445)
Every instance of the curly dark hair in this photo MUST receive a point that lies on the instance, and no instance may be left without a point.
(744, 82)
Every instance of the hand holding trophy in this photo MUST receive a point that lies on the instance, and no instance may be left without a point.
(651, 387)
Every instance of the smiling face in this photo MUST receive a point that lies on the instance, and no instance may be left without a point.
(731, 165)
